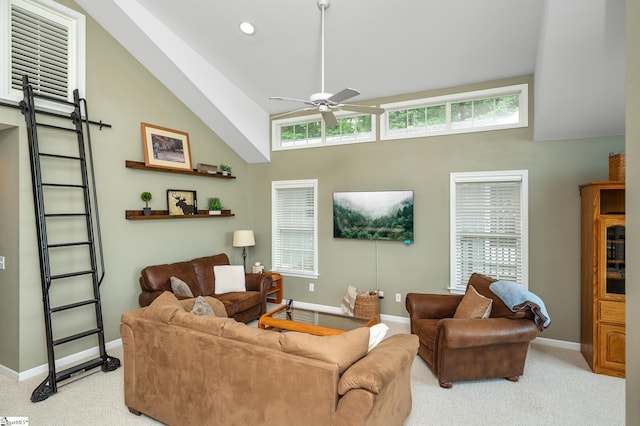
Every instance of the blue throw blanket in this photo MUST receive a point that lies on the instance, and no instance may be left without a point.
(518, 299)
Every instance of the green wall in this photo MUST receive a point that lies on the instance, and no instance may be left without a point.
(556, 169)
(122, 93)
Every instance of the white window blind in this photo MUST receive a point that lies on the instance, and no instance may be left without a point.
(46, 42)
(488, 226)
(295, 227)
(39, 49)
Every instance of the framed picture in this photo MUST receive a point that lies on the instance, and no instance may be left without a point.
(181, 202)
(165, 148)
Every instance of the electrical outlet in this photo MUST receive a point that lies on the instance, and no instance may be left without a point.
(381, 294)
(398, 297)
(312, 287)
(1, 262)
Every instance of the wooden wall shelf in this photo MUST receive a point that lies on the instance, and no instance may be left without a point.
(141, 166)
(164, 214)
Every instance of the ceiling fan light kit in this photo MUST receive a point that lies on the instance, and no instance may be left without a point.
(323, 102)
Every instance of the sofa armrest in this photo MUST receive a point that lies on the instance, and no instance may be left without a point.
(380, 366)
(261, 283)
(432, 306)
(466, 333)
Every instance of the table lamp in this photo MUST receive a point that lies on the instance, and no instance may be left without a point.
(244, 238)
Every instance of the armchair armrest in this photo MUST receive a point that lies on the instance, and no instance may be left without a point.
(433, 306)
(466, 333)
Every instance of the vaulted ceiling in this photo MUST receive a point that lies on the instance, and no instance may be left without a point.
(574, 48)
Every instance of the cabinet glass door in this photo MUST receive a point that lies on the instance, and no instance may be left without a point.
(615, 258)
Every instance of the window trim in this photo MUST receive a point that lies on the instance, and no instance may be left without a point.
(302, 183)
(76, 49)
(277, 124)
(490, 176)
(520, 89)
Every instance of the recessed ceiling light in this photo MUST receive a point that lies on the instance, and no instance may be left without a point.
(247, 28)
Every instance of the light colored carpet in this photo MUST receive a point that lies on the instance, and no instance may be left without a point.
(557, 389)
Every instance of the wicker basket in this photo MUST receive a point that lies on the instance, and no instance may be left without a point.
(367, 306)
(616, 167)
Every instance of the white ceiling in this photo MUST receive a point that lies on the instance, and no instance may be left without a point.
(574, 48)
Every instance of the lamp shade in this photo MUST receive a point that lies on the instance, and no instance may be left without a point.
(243, 238)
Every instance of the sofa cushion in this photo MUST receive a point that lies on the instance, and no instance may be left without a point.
(473, 305)
(204, 324)
(229, 278)
(180, 288)
(254, 336)
(164, 307)
(239, 301)
(341, 350)
(203, 269)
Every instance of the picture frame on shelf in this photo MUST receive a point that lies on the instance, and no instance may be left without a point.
(165, 148)
(181, 202)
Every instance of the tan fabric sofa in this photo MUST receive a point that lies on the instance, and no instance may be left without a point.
(198, 275)
(185, 369)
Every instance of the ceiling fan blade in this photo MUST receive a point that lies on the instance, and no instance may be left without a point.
(343, 95)
(297, 113)
(362, 108)
(280, 98)
(329, 118)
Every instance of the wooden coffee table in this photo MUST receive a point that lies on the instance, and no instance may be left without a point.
(311, 322)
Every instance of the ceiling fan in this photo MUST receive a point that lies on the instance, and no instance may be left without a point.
(323, 102)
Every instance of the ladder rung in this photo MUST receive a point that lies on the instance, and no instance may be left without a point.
(64, 214)
(74, 305)
(76, 336)
(72, 274)
(79, 369)
(51, 126)
(67, 157)
(63, 185)
(79, 243)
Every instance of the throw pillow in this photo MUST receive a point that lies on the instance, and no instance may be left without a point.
(201, 307)
(342, 349)
(229, 278)
(473, 305)
(376, 334)
(164, 307)
(180, 288)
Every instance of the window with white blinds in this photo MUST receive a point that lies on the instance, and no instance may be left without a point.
(45, 42)
(489, 226)
(295, 227)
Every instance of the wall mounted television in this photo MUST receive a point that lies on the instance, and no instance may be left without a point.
(373, 215)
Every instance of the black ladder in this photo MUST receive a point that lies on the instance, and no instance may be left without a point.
(69, 270)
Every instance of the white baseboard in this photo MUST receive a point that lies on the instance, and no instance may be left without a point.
(557, 343)
(60, 364)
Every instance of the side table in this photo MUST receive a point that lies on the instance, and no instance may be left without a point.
(274, 294)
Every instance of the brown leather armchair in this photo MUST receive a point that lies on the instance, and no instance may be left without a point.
(470, 349)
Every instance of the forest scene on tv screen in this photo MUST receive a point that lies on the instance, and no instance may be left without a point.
(373, 215)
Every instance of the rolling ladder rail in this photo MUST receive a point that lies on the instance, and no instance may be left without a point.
(94, 271)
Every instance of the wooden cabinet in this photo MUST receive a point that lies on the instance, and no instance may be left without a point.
(602, 328)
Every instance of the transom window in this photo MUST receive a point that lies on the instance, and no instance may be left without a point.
(491, 109)
(310, 131)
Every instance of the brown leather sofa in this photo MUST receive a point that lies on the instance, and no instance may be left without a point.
(198, 275)
(185, 369)
(469, 349)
